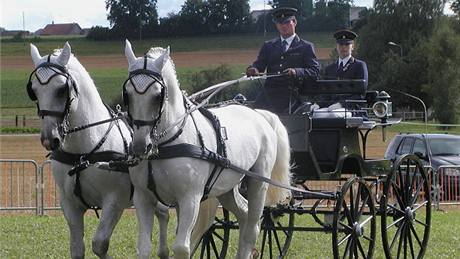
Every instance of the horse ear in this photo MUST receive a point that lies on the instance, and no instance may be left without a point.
(35, 54)
(161, 60)
(129, 53)
(64, 57)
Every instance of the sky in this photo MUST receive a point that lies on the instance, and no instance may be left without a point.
(87, 13)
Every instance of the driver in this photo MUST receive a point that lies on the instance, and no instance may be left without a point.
(287, 54)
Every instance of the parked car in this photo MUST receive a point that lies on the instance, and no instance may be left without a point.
(441, 152)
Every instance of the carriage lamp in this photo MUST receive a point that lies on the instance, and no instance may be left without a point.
(382, 108)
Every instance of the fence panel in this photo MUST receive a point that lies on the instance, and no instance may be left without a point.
(50, 191)
(19, 185)
(448, 184)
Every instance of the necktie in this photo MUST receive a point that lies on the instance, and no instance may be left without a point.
(340, 70)
(284, 45)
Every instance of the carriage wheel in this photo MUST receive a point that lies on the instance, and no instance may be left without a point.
(406, 210)
(354, 225)
(214, 243)
(276, 233)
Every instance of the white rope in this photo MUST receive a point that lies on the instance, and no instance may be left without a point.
(429, 124)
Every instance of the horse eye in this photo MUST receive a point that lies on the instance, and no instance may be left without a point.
(61, 91)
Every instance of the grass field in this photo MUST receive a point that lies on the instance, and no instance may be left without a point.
(108, 81)
(201, 43)
(47, 237)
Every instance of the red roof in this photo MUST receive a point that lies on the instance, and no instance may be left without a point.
(61, 29)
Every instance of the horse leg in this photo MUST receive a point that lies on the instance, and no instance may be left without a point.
(162, 213)
(144, 210)
(74, 217)
(238, 205)
(256, 199)
(110, 216)
(188, 213)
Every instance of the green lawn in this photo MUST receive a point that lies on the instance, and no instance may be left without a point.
(109, 82)
(85, 47)
(47, 237)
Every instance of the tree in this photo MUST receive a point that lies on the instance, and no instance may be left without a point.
(443, 55)
(227, 15)
(408, 23)
(131, 18)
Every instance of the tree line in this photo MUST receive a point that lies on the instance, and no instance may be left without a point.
(139, 18)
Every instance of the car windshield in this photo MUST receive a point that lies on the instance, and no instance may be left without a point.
(445, 147)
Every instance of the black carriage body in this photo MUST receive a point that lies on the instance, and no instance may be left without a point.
(325, 148)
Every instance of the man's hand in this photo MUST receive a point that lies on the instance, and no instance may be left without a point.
(290, 72)
(252, 71)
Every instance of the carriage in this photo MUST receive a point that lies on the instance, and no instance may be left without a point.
(331, 146)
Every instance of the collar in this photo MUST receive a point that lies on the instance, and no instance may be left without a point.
(344, 60)
(289, 39)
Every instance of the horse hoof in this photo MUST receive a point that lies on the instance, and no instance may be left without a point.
(254, 254)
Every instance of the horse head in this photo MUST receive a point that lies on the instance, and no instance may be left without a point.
(145, 93)
(53, 89)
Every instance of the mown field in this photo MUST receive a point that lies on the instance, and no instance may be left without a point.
(198, 43)
(47, 237)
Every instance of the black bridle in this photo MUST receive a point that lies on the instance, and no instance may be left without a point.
(157, 78)
(58, 71)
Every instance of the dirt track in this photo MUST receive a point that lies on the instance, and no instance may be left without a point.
(181, 59)
(29, 147)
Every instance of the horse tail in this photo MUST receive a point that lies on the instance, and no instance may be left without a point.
(281, 169)
(208, 209)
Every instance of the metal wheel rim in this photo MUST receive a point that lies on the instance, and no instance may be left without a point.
(275, 241)
(215, 241)
(350, 239)
(401, 212)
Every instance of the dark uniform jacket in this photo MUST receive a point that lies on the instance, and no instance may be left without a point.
(354, 69)
(277, 91)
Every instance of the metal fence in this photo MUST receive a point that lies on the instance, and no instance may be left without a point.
(27, 186)
(19, 185)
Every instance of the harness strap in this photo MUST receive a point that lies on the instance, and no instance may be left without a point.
(192, 151)
(151, 186)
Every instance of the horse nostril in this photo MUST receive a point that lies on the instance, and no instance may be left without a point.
(148, 148)
(55, 144)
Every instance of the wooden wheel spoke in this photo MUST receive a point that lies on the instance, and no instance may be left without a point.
(345, 225)
(368, 238)
(393, 207)
(398, 232)
(400, 241)
(365, 221)
(395, 222)
(419, 188)
(218, 236)
(358, 196)
(405, 243)
(360, 212)
(214, 248)
(398, 194)
(284, 231)
(415, 235)
(421, 223)
(275, 235)
(270, 244)
(419, 206)
(347, 213)
(411, 245)
(361, 250)
(347, 248)
(345, 238)
(264, 238)
(203, 248)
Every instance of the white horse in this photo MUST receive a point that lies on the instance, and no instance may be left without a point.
(66, 94)
(257, 141)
